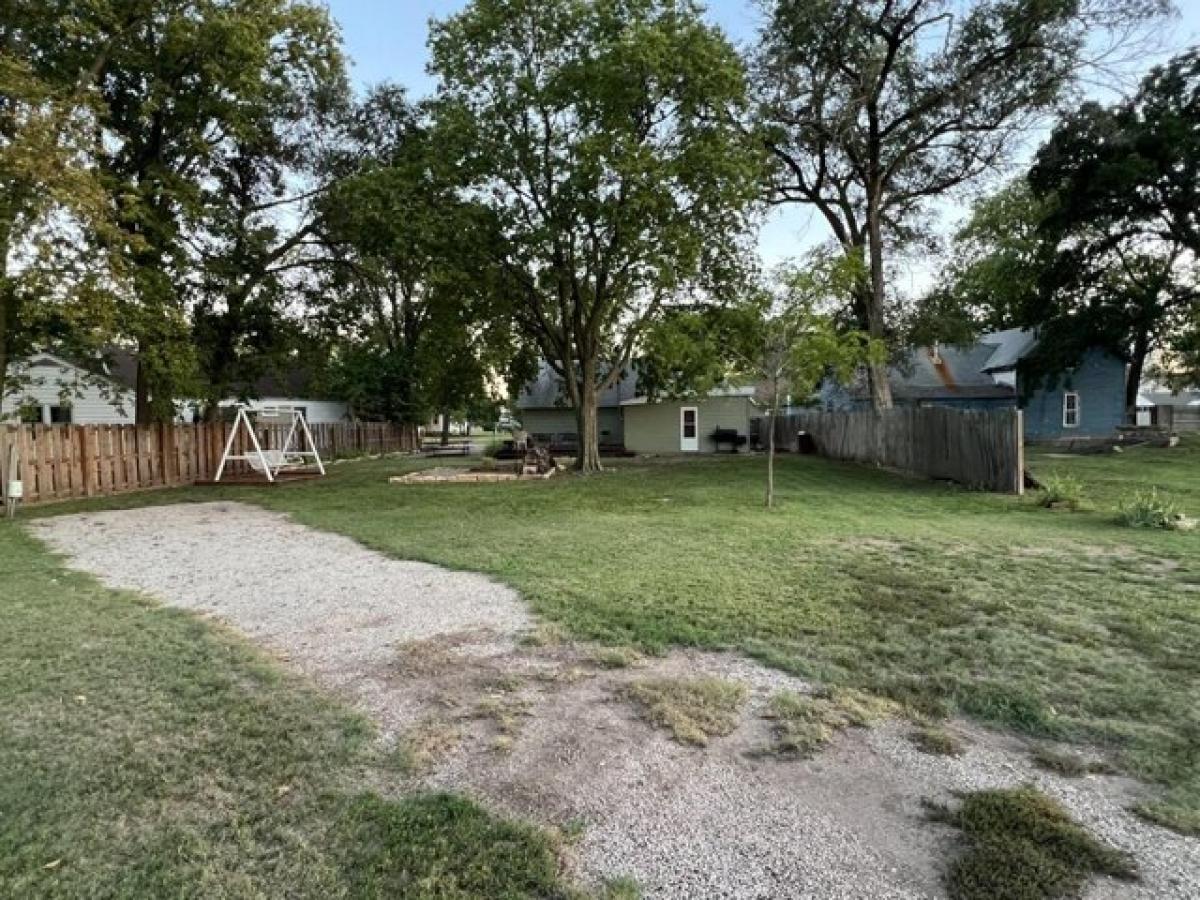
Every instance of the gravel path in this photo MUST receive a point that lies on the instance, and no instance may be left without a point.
(544, 732)
(322, 601)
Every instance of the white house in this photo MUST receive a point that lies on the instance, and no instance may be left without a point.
(49, 390)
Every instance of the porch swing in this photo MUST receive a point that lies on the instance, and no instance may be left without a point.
(297, 458)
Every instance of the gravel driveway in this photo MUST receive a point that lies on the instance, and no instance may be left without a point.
(543, 732)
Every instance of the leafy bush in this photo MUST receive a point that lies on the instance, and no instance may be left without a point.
(1151, 509)
(1060, 492)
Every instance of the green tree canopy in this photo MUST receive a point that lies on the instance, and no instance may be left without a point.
(413, 302)
(604, 137)
(1125, 183)
(873, 108)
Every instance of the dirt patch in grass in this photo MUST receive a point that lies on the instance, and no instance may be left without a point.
(693, 710)
(1022, 845)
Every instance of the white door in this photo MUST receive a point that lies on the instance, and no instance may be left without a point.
(689, 429)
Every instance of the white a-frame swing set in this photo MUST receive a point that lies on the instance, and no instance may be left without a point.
(274, 464)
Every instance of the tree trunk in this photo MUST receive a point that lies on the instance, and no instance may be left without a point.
(877, 372)
(1137, 364)
(445, 428)
(141, 403)
(8, 312)
(771, 458)
(587, 457)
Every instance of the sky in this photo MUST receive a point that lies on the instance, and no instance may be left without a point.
(386, 41)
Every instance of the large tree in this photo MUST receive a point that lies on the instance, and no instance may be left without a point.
(991, 279)
(873, 108)
(603, 135)
(1122, 185)
(410, 299)
(56, 290)
(260, 224)
(190, 91)
(1132, 169)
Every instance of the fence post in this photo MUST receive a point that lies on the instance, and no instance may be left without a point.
(1019, 437)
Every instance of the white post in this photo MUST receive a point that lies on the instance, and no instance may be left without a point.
(228, 445)
(312, 445)
(258, 448)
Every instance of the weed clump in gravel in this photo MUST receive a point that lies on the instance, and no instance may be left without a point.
(1071, 765)
(623, 888)
(421, 747)
(615, 657)
(692, 709)
(804, 723)
(938, 741)
(1022, 845)
(546, 634)
(1179, 815)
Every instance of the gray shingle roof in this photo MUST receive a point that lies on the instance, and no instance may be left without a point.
(958, 372)
(546, 391)
(1010, 347)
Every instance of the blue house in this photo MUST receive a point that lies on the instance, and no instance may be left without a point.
(1087, 401)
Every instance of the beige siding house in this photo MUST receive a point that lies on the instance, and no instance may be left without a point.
(686, 426)
(634, 423)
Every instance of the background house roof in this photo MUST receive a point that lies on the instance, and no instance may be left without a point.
(928, 373)
(1009, 347)
(546, 391)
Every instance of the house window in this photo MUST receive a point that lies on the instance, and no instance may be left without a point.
(1071, 410)
(60, 415)
(31, 414)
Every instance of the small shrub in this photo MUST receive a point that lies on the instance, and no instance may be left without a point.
(1151, 509)
(693, 710)
(1022, 845)
(1060, 491)
(938, 741)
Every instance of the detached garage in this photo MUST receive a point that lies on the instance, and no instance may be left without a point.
(687, 426)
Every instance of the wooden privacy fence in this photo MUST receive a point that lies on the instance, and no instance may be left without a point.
(980, 449)
(63, 462)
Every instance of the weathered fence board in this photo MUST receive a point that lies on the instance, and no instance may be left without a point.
(980, 449)
(63, 462)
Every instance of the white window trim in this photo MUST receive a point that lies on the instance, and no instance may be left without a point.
(1078, 409)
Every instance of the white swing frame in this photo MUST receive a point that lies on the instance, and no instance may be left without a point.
(270, 462)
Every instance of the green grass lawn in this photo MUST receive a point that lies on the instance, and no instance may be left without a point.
(148, 754)
(1058, 624)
